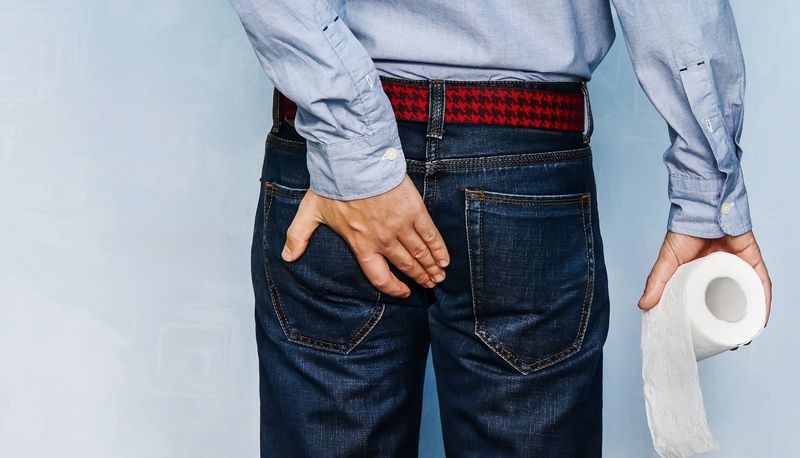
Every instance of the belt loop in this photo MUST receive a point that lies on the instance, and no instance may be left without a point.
(588, 104)
(436, 109)
(276, 111)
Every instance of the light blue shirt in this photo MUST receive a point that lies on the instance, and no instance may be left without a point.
(685, 53)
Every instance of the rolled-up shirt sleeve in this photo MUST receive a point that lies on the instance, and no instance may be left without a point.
(688, 60)
(313, 58)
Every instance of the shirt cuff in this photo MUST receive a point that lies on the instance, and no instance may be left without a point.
(356, 169)
(709, 208)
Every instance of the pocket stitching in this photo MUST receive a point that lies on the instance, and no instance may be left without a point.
(290, 145)
(493, 343)
(271, 189)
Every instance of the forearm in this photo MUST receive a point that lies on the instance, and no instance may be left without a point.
(312, 57)
(688, 60)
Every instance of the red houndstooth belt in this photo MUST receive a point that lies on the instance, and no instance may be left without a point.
(540, 105)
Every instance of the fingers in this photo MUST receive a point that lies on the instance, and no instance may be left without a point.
(377, 271)
(419, 251)
(433, 239)
(664, 267)
(761, 270)
(304, 224)
(398, 255)
(749, 250)
(390, 227)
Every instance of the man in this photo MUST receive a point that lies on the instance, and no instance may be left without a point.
(428, 181)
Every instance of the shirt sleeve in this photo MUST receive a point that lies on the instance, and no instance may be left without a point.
(313, 58)
(688, 60)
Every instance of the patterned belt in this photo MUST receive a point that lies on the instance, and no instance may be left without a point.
(541, 105)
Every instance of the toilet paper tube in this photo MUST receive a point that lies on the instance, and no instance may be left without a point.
(709, 305)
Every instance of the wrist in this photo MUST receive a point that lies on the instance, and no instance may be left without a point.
(359, 168)
(708, 208)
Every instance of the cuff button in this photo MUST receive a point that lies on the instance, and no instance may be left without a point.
(391, 154)
(726, 207)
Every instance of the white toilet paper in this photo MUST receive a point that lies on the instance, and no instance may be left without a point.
(710, 305)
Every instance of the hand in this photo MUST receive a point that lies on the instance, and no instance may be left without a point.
(394, 225)
(678, 249)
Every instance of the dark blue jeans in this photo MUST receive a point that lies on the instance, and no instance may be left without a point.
(516, 329)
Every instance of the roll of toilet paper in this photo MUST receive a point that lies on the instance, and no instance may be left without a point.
(709, 305)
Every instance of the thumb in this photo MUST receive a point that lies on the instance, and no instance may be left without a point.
(304, 224)
(663, 269)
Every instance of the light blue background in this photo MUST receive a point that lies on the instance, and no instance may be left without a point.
(131, 141)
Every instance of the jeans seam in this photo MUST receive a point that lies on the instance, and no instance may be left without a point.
(493, 162)
(475, 280)
(295, 146)
(480, 329)
(295, 194)
(534, 202)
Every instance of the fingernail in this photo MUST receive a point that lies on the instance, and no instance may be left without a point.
(443, 263)
(430, 284)
(438, 277)
(286, 252)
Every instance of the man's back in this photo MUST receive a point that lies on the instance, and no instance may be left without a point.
(542, 40)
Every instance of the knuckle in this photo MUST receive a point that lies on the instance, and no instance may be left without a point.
(420, 253)
(433, 270)
(291, 234)
(363, 257)
(361, 249)
(437, 244)
(379, 282)
(405, 266)
(428, 235)
(384, 238)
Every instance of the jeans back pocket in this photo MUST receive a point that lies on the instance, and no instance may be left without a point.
(322, 299)
(532, 272)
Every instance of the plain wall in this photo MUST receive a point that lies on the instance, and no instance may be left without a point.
(131, 141)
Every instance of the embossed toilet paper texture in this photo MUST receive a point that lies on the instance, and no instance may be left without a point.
(681, 330)
(674, 402)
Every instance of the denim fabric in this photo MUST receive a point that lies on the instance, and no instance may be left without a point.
(516, 329)
(327, 56)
